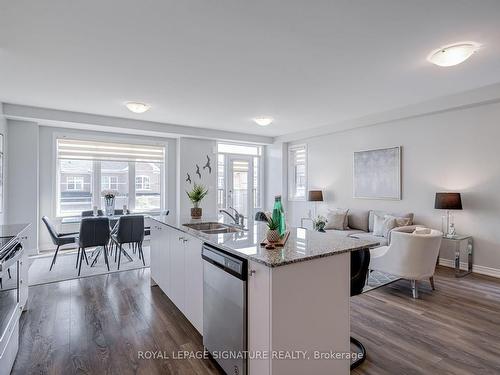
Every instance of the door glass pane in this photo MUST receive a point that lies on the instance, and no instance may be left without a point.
(75, 186)
(256, 183)
(114, 176)
(221, 183)
(240, 170)
(147, 186)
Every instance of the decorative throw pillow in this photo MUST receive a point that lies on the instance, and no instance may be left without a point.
(422, 230)
(337, 219)
(401, 221)
(382, 225)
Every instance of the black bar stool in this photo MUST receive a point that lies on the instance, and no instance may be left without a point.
(360, 260)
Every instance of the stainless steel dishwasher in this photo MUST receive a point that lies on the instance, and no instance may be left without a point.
(225, 309)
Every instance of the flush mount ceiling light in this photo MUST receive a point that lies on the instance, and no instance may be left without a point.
(453, 54)
(137, 107)
(263, 120)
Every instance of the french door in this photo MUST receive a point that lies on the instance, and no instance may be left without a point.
(240, 184)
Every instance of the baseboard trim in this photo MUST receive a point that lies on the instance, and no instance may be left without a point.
(488, 271)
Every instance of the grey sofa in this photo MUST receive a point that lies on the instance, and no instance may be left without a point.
(360, 225)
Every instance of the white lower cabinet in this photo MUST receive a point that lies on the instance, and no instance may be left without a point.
(194, 282)
(160, 256)
(177, 268)
(177, 271)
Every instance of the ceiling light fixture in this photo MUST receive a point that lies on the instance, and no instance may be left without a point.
(453, 54)
(137, 107)
(263, 120)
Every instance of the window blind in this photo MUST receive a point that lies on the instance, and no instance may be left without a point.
(107, 151)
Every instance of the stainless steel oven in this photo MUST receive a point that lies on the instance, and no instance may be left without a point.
(10, 256)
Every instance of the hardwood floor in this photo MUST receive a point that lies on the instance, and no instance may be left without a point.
(97, 325)
(453, 330)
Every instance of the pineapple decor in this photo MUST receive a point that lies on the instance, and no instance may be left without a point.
(272, 231)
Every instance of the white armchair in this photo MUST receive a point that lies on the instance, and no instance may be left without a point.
(409, 256)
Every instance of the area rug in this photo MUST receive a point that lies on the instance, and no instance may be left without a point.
(378, 279)
(64, 269)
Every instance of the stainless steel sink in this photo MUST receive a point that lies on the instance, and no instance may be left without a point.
(222, 230)
(213, 227)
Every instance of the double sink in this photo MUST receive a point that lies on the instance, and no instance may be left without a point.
(213, 228)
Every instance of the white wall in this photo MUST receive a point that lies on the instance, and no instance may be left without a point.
(22, 178)
(191, 151)
(275, 183)
(47, 164)
(450, 151)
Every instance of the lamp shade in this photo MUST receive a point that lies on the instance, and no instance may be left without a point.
(315, 196)
(448, 201)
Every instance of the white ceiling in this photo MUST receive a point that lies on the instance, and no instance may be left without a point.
(218, 63)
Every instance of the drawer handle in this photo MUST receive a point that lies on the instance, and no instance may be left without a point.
(251, 272)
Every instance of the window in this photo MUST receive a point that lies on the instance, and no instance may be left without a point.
(109, 182)
(297, 172)
(85, 168)
(74, 183)
(115, 176)
(76, 186)
(148, 186)
(142, 183)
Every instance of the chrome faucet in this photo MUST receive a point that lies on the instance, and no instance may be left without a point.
(238, 218)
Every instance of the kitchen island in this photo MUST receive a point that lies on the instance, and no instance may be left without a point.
(297, 296)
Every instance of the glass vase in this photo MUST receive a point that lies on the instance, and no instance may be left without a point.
(109, 206)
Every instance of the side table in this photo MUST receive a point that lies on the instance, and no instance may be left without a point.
(457, 241)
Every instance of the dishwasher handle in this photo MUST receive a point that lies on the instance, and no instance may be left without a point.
(230, 264)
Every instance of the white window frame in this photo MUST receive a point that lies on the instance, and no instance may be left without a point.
(143, 179)
(77, 180)
(292, 188)
(96, 177)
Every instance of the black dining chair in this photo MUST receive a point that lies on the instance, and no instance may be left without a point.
(89, 213)
(129, 230)
(360, 260)
(94, 232)
(58, 239)
(119, 212)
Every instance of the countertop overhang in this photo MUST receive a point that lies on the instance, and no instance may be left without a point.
(302, 244)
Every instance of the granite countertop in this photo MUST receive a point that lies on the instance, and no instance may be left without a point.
(12, 230)
(302, 244)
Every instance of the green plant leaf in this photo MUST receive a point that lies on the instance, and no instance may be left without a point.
(273, 224)
(197, 193)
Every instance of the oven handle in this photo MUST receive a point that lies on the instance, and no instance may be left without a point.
(7, 263)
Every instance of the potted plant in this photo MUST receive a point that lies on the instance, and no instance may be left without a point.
(272, 230)
(195, 196)
(319, 223)
(109, 201)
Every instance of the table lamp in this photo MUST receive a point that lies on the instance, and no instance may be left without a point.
(448, 202)
(315, 196)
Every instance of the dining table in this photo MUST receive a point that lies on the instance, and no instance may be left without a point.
(113, 220)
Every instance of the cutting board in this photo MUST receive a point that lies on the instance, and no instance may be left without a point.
(279, 243)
